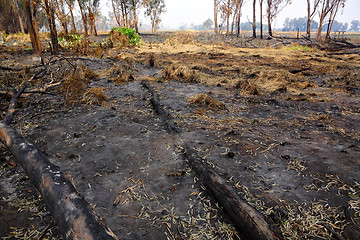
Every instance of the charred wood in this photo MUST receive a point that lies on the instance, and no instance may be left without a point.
(247, 220)
(160, 110)
(73, 214)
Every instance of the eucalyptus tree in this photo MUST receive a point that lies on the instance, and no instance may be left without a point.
(312, 6)
(154, 9)
(328, 8)
(273, 8)
(50, 14)
(71, 6)
(30, 10)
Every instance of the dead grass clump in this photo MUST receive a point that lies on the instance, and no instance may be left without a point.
(74, 85)
(95, 96)
(246, 87)
(180, 73)
(89, 74)
(118, 39)
(120, 74)
(304, 85)
(186, 38)
(205, 100)
(180, 38)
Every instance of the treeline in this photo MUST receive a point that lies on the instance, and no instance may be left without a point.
(27, 15)
(295, 24)
(14, 18)
(227, 14)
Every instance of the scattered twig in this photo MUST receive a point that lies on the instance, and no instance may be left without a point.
(338, 236)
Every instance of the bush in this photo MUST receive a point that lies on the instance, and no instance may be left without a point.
(72, 41)
(129, 33)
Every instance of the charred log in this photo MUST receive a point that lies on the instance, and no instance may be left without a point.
(73, 214)
(160, 110)
(247, 220)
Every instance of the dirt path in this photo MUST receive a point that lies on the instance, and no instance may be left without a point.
(292, 151)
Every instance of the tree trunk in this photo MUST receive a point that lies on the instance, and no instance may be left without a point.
(269, 17)
(332, 19)
(261, 19)
(215, 16)
(308, 22)
(238, 25)
(254, 19)
(249, 223)
(20, 21)
(84, 18)
(92, 23)
(73, 27)
(321, 22)
(74, 216)
(30, 8)
(51, 19)
(135, 20)
(117, 18)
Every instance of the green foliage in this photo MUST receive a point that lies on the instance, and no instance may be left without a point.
(129, 33)
(301, 48)
(71, 41)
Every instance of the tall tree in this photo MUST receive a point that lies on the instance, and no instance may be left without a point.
(50, 14)
(226, 12)
(153, 11)
(70, 4)
(261, 18)
(333, 12)
(93, 8)
(59, 8)
(327, 7)
(311, 13)
(273, 8)
(30, 9)
(19, 11)
(84, 17)
(254, 19)
(216, 11)
(135, 4)
(10, 19)
(236, 16)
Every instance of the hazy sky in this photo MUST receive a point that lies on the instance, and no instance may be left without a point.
(180, 12)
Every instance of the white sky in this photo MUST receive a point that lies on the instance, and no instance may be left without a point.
(180, 12)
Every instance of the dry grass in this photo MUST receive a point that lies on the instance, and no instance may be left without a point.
(180, 73)
(118, 40)
(205, 100)
(120, 74)
(75, 84)
(95, 96)
(247, 88)
(180, 39)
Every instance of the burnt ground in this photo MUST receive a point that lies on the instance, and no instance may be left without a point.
(282, 128)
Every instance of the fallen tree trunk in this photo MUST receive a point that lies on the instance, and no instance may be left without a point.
(159, 109)
(247, 220)
(73, 214)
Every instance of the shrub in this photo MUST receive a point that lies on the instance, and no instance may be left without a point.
(72, 41)
(130, 34)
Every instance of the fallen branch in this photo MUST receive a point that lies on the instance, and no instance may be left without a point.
(16, 94)
(73, 214)
(159, 109)
(247, 220)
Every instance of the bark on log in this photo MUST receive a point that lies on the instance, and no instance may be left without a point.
(159, 109)
(74, 216)
(247, 220)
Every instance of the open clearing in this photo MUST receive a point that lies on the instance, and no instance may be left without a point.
(280, 124)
